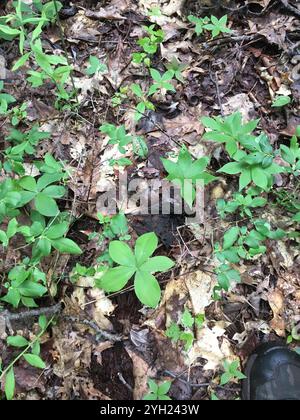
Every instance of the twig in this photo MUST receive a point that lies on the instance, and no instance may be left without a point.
(229, 39)
(109, 336)
(51, 310)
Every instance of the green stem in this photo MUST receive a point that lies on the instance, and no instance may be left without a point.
(25, 350)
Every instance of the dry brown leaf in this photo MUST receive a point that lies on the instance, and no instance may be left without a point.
(212, 346)
(141, 372)
(277, 304)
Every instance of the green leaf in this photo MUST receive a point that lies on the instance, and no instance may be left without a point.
(156, 264)
(186, 319)
(147, 289)
(173, 332)
(66, 246)
(34, 360)
(115, 278)
(122, 254)
(46, 205)
(28, 183)
(55, 191)
(44, 246)
(245, 179)
(22, 60)
(145, 247)
(17, 341)
(10, 384)
(164, 388)
(281, 101)
(153, 386)
(259, 177)
(231, 168)
(57, 231)
(231, 237)
(12, 228)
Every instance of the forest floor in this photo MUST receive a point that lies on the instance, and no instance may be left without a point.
(107, 346)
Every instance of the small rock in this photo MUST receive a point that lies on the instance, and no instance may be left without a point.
(2, 68)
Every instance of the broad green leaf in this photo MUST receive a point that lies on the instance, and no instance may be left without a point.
(122, 254)
(116, 278)
(147, 289)
(164, 388)
(281, 101)
(57, 231)
(28, 183)
(55, 191)
(10, 384)
(156, 264)
(34, 360)
(145, 247)
(66, 246)
(44, 246)
(153, 386)
(231, 237)
(46, 205)
(231, 168)
(259, 177)
(12, 228)
(17, 341)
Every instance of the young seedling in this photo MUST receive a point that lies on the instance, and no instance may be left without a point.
(217, 26)
(95, 66)
(161, 82)
(158, 392)
(232, 372)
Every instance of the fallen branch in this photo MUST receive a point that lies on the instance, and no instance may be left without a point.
(51, 310)
(92, 324)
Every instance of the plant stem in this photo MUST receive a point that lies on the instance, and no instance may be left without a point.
(25, 350)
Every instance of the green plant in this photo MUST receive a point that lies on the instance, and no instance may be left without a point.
(232, 372)
(18, 114)
(24, 143)
(117, 135)
(229, 130)
(95, 66)
(199, 23)
(149, 45)
(15, 25)
(257, 167)
(158, 392)
(218, 26)
(244, 204)
(291, 155)
(5, 99)
(185, 173)
(138, 264)
(30, 353)
(114, 227)
(120, 96)
(212, 24)
(294, 334)
(241, 243)
(143, 103)
(161, 81)
(184, 331)
(81, 271)
(281, 101)
(176, 67)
